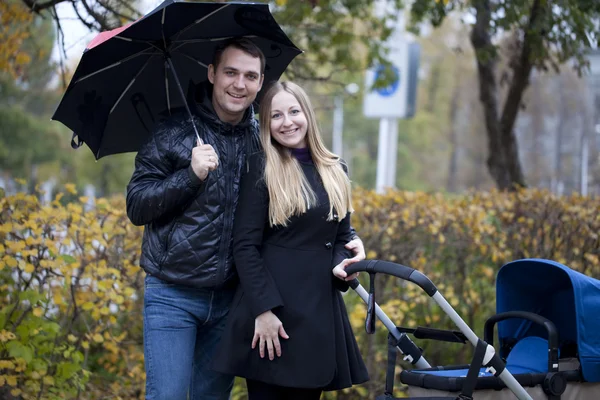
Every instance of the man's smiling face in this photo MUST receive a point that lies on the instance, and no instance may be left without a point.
(236, 81)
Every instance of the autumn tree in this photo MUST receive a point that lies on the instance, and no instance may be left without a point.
(546, 34)
(15, 20)
(28, 144)
(335, 35)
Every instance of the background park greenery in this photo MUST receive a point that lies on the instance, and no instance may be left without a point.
(500, 102)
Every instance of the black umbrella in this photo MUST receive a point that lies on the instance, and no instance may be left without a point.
(131, 77)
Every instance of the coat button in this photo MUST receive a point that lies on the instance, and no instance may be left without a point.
(328, 245)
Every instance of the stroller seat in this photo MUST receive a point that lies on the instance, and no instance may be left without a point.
(529, 355)
(527, 362)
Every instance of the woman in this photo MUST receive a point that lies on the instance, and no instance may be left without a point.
(288, 332)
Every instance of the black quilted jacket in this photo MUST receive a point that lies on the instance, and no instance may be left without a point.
(188, 233)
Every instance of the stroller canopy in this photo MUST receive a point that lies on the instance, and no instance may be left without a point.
(568, 298)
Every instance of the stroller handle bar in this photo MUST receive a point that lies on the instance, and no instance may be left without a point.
(406, 347)
(418, 278)
(397, 270)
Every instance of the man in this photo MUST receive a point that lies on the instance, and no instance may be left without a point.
(185, 193)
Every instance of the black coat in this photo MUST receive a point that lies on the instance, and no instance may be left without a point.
(288, 270)
(189, 223)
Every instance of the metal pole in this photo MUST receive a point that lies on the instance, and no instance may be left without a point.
(392, 152)
(382, 153)
(421, 363)
(584, 164)
(505, 376)
(338, 124)
(187, 107)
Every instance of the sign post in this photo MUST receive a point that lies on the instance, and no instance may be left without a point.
(391, 103)
(395, 101)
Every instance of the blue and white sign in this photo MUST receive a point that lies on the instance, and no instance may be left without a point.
(390, 101)
(391, 88)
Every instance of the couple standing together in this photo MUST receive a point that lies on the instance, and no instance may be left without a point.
(245, 243)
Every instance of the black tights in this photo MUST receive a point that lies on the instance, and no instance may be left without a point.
(263, 391)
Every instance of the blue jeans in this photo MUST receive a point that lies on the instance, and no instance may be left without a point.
(182, 326)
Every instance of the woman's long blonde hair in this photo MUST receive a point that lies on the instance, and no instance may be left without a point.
(289, 191)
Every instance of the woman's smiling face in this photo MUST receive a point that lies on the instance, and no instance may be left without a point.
(288, 121)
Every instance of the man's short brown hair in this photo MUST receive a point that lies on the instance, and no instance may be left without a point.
(241, 43)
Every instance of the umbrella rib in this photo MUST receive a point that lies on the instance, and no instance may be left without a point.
(149, 43)
(181, 43)
(162, 27)
(129, 85)
(193, 59)
(167, 88)
(200, 20)
(143, 52)
(199, 40)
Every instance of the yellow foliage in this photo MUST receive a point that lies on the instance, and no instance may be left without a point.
(11, 380)
(48, 381)
(88, 260)
(5, 336)
(5, 364)
(14, 23)
(66, 247)
(460, 243)
(70, 188)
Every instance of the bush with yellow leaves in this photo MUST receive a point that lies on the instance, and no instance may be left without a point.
(460, 242)
(71, 290)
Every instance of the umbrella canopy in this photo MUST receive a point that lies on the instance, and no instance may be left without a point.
(130, 78)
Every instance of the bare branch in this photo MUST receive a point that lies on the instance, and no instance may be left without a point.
(89, 25)
(126, 5)
(60, 39)
(101, 20)
(37, 6)
(115, 12)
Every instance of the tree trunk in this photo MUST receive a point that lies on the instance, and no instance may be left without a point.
(562, 119)
(487, 60)
(434, 86)
(452, 184)
(503, 158)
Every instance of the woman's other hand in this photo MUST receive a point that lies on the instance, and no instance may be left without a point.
(340, 270)
(267, 329)
(357, 247)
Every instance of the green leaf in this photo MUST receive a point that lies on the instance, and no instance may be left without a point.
(32, 296)
(39, 365)
(51, 327)
(66, 370)
(17, 349)
(77, 357)
(68, 258)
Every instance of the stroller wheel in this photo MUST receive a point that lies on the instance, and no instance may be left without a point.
(554, 384)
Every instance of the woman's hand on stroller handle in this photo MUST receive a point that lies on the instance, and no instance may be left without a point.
(340, 270)
(267, 329)
(357, 247)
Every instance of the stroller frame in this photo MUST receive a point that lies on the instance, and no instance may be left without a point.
(490, 359)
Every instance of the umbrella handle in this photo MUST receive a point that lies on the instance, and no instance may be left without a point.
(170, 65)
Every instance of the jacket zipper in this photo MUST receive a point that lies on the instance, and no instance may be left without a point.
(229, 174)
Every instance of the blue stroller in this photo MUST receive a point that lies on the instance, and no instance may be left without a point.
(548, 319)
